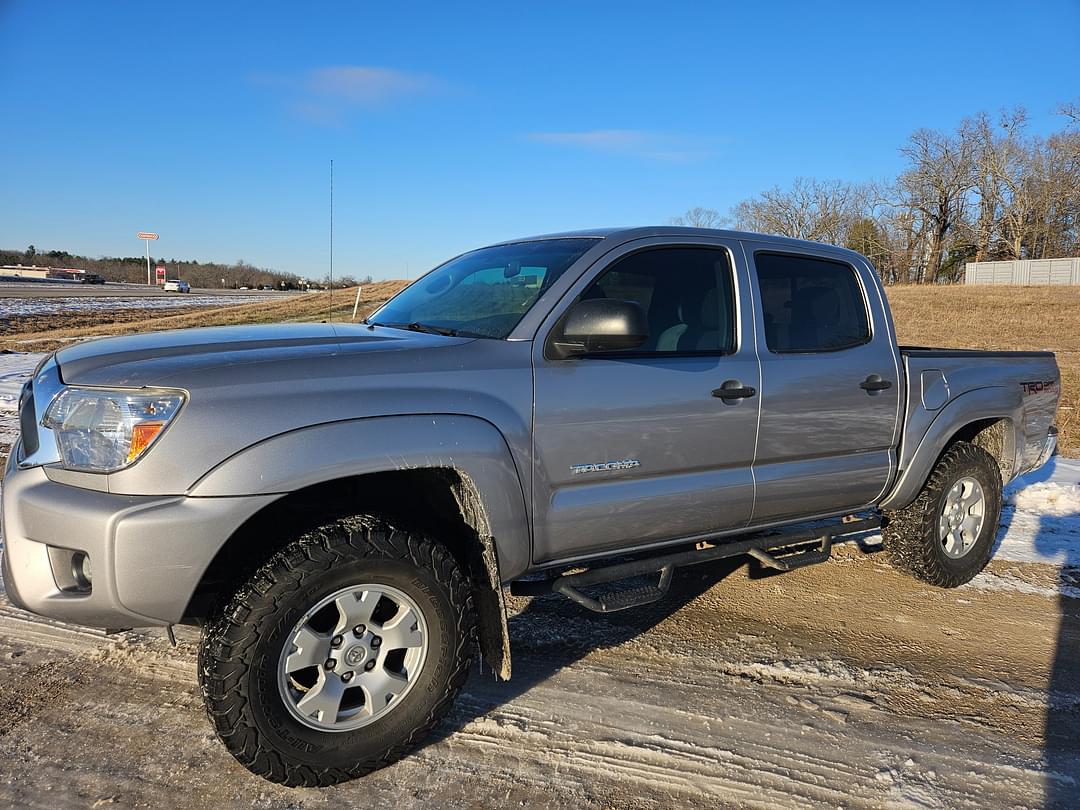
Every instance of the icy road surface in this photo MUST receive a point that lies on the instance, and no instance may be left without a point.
(843, 684)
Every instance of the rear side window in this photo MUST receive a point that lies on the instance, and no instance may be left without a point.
(810, 304)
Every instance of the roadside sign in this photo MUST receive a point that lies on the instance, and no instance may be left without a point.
(148, 237)
(160, 274)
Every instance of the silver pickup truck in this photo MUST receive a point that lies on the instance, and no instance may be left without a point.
(340, 506)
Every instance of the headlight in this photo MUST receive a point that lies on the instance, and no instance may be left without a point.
(103, 431)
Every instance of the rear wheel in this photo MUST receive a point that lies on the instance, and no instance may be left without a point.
(946, 535)
(339, 654)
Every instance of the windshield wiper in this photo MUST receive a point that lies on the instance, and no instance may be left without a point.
(446, 331)
(416, 326)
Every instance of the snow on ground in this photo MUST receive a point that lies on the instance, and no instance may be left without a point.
(15, 369)
(39, 305)
(1042, 516)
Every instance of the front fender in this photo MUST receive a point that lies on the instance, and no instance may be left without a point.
(471, 446)
(993, 402)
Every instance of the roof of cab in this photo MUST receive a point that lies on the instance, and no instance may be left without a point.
(625, 234)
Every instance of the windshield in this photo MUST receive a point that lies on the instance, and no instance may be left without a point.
(483, 293)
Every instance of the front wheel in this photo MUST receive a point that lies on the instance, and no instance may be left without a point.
(946, 535)
(339, 654)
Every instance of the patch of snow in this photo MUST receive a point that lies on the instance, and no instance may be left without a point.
(15, 369)
(987, 581)
(46, 305)
(1041, 516)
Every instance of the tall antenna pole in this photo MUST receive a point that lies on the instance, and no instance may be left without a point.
(331, 240)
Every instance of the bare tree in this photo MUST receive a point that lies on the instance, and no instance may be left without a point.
(1004, 160)
(987, 190)
(822, 211)
(1054, 221)
(699, 217)
(1071, 110)
(936, 186)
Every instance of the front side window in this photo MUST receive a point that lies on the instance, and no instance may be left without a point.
(484, 293)
(687, 294)
(810, 304)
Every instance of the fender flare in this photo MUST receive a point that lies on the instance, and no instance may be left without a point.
(992, 402)
(490, 495)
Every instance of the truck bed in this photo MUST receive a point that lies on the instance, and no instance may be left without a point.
(941, 380)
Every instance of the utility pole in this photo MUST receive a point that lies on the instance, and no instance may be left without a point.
(331, 240)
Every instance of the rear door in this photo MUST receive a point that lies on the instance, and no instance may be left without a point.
(633, 448)
(830, 384)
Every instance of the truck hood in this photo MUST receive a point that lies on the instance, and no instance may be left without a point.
(169, 358)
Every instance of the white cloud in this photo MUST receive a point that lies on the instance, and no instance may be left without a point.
(366, 85)
(324, 95)
(635, 142)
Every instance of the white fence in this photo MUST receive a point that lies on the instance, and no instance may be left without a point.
(1024, 271)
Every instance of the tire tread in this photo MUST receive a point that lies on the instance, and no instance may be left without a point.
(229, 640)
(910, 535)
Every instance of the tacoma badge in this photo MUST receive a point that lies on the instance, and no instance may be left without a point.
(605, 466)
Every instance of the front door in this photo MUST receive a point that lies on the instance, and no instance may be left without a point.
(634, 448)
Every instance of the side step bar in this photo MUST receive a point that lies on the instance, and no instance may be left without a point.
(783, 551)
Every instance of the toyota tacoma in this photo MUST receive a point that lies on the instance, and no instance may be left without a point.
(340, 506)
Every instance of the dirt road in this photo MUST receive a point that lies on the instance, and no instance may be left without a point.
(843, 684)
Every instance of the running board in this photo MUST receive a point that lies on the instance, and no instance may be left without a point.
(782, 551)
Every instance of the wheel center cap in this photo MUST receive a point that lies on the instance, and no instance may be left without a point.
(355, 655)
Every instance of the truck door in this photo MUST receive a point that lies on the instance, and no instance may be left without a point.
(639, 447)
(830, 388)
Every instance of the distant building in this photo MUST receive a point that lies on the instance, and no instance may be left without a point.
(1024, 272)
(54, 273)
(24, 271)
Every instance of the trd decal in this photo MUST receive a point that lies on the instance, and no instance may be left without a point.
(1038, 386)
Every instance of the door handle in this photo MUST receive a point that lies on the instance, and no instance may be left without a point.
(733, 389)
(875, 383)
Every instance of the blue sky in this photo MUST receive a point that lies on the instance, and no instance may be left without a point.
(213, 123)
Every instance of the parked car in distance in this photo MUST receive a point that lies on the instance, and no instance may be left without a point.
(340, 505)
(176, 285)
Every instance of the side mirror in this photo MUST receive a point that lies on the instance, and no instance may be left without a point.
(601, 325)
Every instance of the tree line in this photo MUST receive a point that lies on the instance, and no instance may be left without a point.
(198, 274)
(987, 190)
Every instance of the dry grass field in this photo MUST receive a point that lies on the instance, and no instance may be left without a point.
(987, 317)
(991, 317)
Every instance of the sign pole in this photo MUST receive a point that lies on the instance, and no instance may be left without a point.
(147, 236)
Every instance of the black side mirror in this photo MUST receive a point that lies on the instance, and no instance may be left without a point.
(601, 325)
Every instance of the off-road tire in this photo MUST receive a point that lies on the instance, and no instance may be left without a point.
(911, 535)
(241, 648)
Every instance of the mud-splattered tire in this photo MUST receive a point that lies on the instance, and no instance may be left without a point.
(243, 653)
(926, 539)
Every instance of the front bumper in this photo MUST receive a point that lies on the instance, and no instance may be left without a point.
(148, 553)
